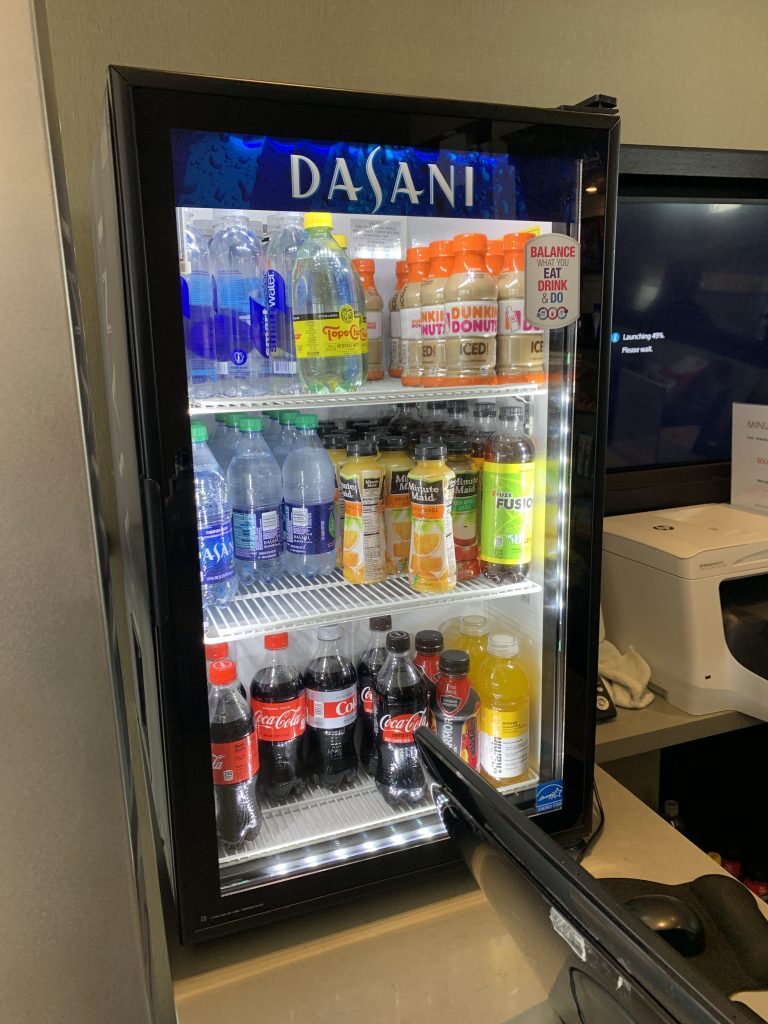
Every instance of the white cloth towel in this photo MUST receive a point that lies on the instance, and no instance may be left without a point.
(626, 676)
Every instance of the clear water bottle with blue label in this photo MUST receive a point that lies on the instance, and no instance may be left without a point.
(271, 431)
(284, 443)
(256, 493)
(197, 314)
(224, 443)
(286, 237)
(309, 488)
(237, 265)
(214, 523)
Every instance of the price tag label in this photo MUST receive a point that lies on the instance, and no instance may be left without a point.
(552, 281)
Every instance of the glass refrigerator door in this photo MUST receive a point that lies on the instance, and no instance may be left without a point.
(498, 215)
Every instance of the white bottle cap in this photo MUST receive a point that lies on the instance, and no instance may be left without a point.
(474, 625)
(502, 645)
(329, 633)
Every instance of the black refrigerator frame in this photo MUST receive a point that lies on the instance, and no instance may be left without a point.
(136, 242)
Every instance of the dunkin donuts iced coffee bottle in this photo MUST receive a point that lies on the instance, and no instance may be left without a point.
(395, 360)
(520, 347)
(374, 307)
(494, 257)
(471, 311)
(410, 315)
(433, 313)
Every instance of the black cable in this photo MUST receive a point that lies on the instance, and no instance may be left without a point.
(589, 842)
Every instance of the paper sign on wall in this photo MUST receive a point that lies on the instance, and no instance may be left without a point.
(552, 280)
(749, 457)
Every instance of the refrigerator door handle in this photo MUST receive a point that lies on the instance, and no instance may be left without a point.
(152, 507)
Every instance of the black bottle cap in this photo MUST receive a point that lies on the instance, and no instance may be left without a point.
(326, 428)
(484, 409)
(459, 446)
(512, 412)
(334, 440)
(454, 663)
(361, 448)
(431, 438)
(429, 641)
(431, 451)
(380, 623)
(398, 641)
(392, 444)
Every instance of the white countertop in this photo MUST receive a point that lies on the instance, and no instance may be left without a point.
(428, 952)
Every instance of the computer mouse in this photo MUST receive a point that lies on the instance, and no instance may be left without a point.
(672, 919)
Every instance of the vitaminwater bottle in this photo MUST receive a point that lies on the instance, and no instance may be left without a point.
(454, 706)
(197, 312)
(465, 509)
(256, 493)
(502, 685)
(341, 241)
(361, 483)
(471, 312)
(472, 638)
(494, 256)
(308, 491)
(237, 266)
(326, 314)
(281, 254)
(395, 352)
(374, 318)
(432, 562)
(520, 347)
(214, 523)
(397, 503)
(410, 314)
(506, 533)
(336, 446)
(433, 328)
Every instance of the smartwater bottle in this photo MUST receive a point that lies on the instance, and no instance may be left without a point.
(284, 243)
(197, 313)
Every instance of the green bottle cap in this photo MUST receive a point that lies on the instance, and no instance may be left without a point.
(250, 424)
(307, 421)
(199, 431)
(232, 418)
(287, 418)
(274, 415)
(220, 417)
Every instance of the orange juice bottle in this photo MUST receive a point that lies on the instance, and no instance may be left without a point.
(502, 684)
(336, 446)
(397, 503)
(361, 482)
(432, 562)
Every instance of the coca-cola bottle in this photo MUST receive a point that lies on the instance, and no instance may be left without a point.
(280, 719)
(371, 661)
(220, 652)
(400, 707)
(234, 757)
(330, 682)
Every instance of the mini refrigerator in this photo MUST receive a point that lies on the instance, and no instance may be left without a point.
(180, 153)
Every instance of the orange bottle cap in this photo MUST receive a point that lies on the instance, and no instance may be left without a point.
(471, 242)
(417, 254)
(440, 248)
(517, 239)
(401, 267)
(364, 266)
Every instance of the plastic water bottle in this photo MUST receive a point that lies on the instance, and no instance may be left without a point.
(197, 312)
(224, 445)
(270, 428)
(214, 523)
(341, 241)
(256, 493)
(326, 317)
(281, 257)
(216, 435)
(237, 265)
(309, 487)
(287, 436)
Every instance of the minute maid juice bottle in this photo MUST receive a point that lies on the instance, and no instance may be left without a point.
(507, 516)
(329, 334)
(432, 563)
(397, 503)
(361, 481)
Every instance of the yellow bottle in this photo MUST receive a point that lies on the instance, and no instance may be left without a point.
(473, 638)
(432, 561)
(502, 684)
(397, 503)
(336, 446)
(361, 482)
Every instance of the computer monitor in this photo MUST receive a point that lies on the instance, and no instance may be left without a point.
(690, 321)
(595, 960)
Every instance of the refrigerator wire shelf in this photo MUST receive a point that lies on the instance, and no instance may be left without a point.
(378, 392)
(319, 817)
(299, 602)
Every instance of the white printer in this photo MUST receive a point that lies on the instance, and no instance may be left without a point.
(688, 588)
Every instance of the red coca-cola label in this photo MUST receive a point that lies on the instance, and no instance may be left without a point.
(331, 709)
(236, 761)
(367, 698)
(283, 721)
(400, 728)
